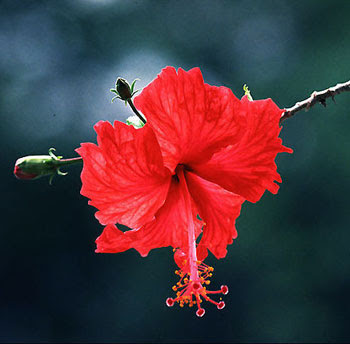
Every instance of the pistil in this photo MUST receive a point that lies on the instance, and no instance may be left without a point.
(194, 275)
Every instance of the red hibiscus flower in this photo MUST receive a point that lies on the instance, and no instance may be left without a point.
(202, 152)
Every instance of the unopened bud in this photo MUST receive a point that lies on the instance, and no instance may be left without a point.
(34, 166)
(123, 89)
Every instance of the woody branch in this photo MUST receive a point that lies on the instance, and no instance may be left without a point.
(316, 97)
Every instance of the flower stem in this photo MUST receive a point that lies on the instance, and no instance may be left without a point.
(135, 110)
(71, 161)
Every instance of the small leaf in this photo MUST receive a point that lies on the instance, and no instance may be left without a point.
(135, 122)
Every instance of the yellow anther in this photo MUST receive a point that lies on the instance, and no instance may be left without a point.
(207, 282)
(174, 288)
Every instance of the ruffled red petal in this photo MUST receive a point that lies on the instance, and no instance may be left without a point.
(247, 167)
(169, 228)
(124, 175)
(113, 240)
(219, 210)
(191, 119)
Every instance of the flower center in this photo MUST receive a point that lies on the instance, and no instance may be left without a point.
(191, 289)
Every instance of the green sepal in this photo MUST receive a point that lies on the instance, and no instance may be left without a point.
(60, 173)
(135, 92)
(133, 85)
(114, 98)
(51, 179)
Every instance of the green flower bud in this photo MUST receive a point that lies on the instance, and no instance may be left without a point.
(123, 89)
(34, 166)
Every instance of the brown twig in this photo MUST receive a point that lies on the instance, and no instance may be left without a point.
(316, 97)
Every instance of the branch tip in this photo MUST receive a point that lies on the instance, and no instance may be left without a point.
(316, 97)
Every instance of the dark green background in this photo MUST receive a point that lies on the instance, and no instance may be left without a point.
(288, 271)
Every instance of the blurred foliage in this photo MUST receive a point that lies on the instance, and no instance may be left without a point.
(288, 269)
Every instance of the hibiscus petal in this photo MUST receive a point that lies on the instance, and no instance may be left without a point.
(190, 118)
(113, 240)
(219, 209)
(124, 175)
(168, 228)
(247, 167)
